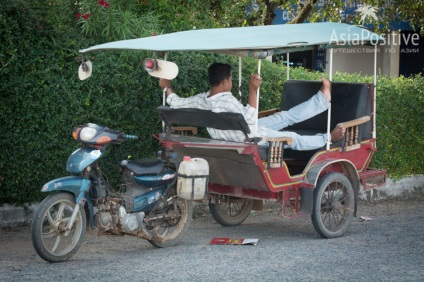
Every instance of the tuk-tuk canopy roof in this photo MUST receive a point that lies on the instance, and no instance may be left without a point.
(254, 41)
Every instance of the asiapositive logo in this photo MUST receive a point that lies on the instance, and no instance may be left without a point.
(367, 14)
(352, 37)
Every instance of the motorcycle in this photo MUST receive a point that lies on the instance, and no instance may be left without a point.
(146, 205)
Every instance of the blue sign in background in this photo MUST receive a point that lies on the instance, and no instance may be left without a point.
(319, 56)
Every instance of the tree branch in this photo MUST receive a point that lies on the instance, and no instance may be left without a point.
(303, 15)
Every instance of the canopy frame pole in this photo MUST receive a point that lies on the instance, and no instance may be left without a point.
(164, 99)
(164, 94)
(288, 66)
(239, 77)
(257, 100)
(374, 135)
(329, 107)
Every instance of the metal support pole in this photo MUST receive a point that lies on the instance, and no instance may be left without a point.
(164, 94)
(239, 75)
(288, 66)
(164, 101)
(257, 100)
(374, 134)
(329, 108)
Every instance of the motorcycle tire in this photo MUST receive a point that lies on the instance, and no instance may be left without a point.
(49, 221)
(171, 233)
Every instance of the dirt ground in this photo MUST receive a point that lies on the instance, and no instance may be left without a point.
(389, 247)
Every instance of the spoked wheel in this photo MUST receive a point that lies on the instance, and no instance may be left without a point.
(170, 223)
(230, 211)
(50, 238)
(333, 205)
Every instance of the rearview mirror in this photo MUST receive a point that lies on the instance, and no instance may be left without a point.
(161, 68)
(85, 70)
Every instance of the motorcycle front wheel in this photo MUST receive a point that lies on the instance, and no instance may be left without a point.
(171, 224)
(49, 236)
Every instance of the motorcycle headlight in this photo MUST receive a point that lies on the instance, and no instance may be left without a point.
(87, 133)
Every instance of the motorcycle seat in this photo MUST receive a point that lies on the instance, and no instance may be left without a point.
(144, 166)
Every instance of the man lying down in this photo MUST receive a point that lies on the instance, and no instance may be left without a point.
(220, 99)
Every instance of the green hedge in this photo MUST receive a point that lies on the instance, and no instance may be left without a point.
(400, 107)
(42, 99)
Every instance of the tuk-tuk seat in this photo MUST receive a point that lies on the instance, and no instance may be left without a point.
(223, 121)
(203, 118)
(349, 101)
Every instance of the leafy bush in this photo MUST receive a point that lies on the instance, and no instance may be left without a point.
(43, 100)
(116, 20)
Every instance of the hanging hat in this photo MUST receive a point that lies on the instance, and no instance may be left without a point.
(161, 68)
(85, 70)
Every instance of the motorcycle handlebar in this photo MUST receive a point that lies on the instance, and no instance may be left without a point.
(131, 137)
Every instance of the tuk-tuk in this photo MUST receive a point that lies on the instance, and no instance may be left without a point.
(324, 183)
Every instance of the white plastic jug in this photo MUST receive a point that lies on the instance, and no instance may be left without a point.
(193, 174)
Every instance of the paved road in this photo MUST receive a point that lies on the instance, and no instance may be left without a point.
(390, 247)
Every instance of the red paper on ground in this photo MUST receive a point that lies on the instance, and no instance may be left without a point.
(229, 241)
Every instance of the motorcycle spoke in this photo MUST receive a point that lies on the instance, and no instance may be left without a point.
(60, 212)
(70, 239)
(51, 234)
(56, 244)
(230, 208)
(52, 222)
(334, 217)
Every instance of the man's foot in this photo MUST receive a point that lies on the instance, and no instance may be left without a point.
(337, 133)
(326, 88)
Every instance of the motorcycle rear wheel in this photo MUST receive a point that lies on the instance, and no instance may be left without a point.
(48, 228)
(171, 232)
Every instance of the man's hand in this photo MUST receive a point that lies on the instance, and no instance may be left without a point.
(254, 83)
(165, 83)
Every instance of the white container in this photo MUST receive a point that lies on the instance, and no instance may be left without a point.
(193, 174)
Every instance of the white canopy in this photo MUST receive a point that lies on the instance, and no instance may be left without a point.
(254, 41)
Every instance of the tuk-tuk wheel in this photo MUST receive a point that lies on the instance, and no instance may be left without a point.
(333, 208)
(230, 211)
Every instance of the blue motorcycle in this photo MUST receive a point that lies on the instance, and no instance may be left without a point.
(146, 205)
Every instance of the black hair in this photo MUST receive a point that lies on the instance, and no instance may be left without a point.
(218, 72)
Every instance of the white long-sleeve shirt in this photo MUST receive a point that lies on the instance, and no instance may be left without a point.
(221, 102)
(270, 126)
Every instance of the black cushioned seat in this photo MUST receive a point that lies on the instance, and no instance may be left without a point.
(203, 118)
(348, 101)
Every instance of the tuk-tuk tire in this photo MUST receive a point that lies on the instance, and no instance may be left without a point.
(222, 217)
(340, 209)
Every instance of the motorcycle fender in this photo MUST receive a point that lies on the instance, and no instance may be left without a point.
(77, 185)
